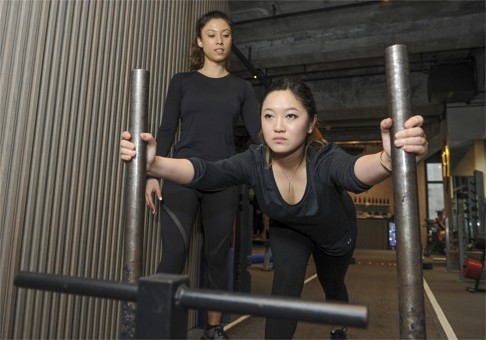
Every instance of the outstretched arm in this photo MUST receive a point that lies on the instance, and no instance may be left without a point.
(372, 169)
(177, 170)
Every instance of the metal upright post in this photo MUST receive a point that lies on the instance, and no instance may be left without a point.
(134, 203)
(409, 259)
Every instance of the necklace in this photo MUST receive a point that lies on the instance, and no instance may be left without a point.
(291, 178)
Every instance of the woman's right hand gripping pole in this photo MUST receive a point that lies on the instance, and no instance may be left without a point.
(128, 152)
(176, 170)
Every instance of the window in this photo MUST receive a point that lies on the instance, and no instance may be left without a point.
(435, 189)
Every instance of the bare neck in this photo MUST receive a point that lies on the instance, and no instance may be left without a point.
(213, 70)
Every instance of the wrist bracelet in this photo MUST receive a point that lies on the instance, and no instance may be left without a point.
(387, 167)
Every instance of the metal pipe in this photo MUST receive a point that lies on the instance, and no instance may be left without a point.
(134, 202)
(79, 286)
(163, 301)
(405, 194)
(270, 306)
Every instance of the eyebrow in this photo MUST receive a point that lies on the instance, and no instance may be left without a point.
(213, 30)
(286, 109)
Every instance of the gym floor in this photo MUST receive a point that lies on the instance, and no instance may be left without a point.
(451, 312)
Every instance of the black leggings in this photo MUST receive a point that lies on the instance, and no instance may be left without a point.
(291, 251)
(218, 211)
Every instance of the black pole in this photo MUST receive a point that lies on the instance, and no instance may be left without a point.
(79, 286)
(134, 202)
(271, 306)
(163, 301)
(405, 195)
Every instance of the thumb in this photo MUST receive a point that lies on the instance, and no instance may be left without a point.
(147, 137)
(385, 127)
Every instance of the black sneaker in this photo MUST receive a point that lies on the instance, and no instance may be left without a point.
(339, 333)
(214, 333)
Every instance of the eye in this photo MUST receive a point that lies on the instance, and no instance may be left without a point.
(267, 116)
(291, 116)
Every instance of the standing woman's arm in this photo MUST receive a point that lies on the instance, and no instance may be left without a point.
(170, 117)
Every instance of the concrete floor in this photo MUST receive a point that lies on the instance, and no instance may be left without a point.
(451, 312)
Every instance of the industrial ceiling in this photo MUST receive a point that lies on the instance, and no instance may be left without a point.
(338, 47)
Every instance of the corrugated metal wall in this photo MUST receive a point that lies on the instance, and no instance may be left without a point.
(64, 90)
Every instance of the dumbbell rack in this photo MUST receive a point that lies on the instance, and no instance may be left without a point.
(469, 213)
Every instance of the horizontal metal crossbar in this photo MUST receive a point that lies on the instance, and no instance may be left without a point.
(272, 306)
(80, 286)
(245, 303)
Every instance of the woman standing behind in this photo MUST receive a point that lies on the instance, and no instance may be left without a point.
(206, 102)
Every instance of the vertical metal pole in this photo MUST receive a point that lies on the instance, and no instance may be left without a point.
(409, 259)
(134, 202)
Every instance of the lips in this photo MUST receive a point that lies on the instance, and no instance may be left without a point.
(279, 140)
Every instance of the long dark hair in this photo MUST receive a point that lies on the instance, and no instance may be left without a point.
(196, 60)
(304, 95)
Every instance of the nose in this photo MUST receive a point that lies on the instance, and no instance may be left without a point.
(219, 39)
(279, 125)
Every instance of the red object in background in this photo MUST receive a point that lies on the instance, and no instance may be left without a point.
(472, 269)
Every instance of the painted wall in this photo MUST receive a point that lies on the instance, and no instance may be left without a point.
(473, 159)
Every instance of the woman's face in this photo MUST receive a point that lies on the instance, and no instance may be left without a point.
(215, 40)
(285, 123)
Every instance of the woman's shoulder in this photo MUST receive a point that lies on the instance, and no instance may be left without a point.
(259, 149)
(238, 80)
(255, 153)
(317, 151)
(183, 75)
(328, 153)
(180, 78)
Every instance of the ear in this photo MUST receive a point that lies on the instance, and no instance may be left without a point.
(312, 124)
(199, 42)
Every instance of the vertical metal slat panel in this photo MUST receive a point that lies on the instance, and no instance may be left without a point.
(66, 238)
(64, 82)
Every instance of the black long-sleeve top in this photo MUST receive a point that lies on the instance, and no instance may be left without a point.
(325, 213)
(208, 110)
